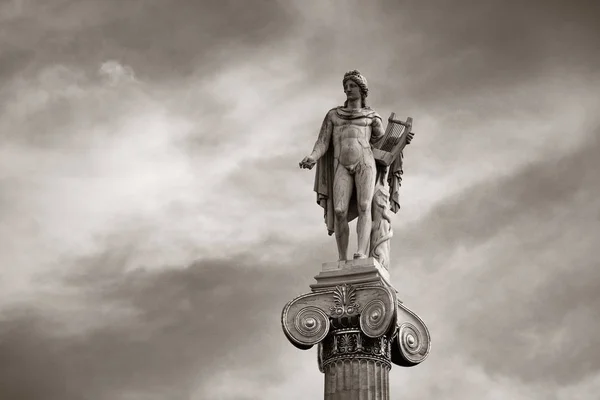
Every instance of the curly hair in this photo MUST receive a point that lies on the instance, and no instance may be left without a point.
(356, 77)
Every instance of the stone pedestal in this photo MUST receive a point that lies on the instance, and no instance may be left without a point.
(360, 327)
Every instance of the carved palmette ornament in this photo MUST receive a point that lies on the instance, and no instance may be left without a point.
(308, 318)
(344, 297)
(412, 341)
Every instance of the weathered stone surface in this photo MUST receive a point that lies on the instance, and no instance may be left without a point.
(308, 318)
(353, 154)
(361, 329)
(357, 379)
(381, 231)
(360, 271)
(412, 339)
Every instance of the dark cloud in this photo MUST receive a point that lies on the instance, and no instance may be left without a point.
(59, 103)
(526, 306)
(478, 214)
(469, 46)
(162, 40)
(437, 54)
(188, 324)
(12, 59)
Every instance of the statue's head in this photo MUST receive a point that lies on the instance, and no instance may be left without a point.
(355, 84)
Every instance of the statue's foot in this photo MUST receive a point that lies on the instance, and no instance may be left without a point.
(359, 256)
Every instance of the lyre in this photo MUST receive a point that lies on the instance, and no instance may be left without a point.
(397, 135)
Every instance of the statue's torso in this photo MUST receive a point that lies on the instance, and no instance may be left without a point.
(351, 138)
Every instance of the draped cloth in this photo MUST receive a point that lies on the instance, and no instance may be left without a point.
(394, 180)
(324, 188)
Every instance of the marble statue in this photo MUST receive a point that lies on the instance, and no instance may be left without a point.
(350, 179)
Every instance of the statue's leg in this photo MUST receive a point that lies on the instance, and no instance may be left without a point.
(365, 187)
(342, 191)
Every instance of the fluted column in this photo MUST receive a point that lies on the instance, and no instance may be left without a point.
(357, 379)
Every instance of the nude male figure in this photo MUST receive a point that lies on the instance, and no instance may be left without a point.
(350, 129)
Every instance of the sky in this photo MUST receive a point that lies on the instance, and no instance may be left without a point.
(154, 220)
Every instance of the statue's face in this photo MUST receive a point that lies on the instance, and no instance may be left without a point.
(352, 90)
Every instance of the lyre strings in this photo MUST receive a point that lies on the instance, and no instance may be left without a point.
(392, 136)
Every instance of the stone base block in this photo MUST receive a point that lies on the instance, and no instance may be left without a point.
(355, 272)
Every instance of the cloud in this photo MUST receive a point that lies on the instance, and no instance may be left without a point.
(185, 326)
(115, 72)
(86, 158)
(151, 202)
(517, 256)
(160, 40)
(78, 158)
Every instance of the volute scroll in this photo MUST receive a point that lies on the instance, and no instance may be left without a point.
(412, 341)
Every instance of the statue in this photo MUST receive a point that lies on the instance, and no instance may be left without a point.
(352, 154)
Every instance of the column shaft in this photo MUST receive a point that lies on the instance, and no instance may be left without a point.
(357, 379)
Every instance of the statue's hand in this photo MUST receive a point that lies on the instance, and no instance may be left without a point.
(308, 162)
(410, 137)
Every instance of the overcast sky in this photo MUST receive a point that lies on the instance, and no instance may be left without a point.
(154, 220)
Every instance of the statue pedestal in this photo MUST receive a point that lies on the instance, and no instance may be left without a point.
(352, 313)
(365, 270)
